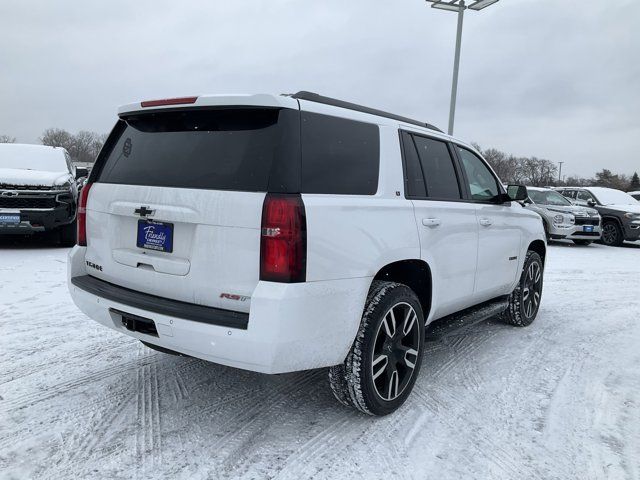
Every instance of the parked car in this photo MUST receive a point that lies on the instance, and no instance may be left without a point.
(38, 191)
(562, 219)
(284, 233)
(635, 195)
(620, 212)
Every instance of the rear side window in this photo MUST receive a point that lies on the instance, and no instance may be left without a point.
(339, 156)
(414, 179)
(437, 166)
(429, 169)
(244, 149)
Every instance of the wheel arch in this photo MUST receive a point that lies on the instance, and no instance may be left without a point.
(540, 248)
(613, 218)
(414, 273)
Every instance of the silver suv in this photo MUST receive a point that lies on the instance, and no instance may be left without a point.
(562, 219)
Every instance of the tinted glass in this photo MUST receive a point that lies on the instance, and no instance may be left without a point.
(584, 196)
(548, 197)
(437, 165)
(414, 181)
(339, 156)
(222, 149)
(482, 184)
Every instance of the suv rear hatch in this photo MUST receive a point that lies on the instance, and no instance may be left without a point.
(176, 199)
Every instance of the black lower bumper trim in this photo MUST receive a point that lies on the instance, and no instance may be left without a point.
(163, 306)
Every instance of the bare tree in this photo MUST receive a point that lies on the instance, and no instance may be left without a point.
(7, 139)
(57, 137)
(83, 146)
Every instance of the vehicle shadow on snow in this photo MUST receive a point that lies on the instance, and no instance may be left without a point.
(221, 401)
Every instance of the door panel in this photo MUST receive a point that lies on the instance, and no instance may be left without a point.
(499, 235)
(499, 241)
(449, 243)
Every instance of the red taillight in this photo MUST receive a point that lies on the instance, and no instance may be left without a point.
(283, 242)
(81, 218)
(169, 101)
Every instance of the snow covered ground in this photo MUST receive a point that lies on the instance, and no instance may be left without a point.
(557, 400)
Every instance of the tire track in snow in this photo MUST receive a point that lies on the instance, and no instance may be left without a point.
(33, 398)
(149, 432)
(244, 419)
(496, 454)
(297, 464)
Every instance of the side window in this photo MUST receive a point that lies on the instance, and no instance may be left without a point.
(570, 194)
(339, 156)
(584, 196)
(482, 184)
(414, 180)
(437, 166)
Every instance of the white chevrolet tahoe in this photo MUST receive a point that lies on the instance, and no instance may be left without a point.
(278, 233)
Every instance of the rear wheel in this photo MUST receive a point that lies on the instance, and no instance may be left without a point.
(611, 234)
(524, 301)
(381, 368)
(582, 242)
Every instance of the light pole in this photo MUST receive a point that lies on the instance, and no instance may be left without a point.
(560, 172)
(458, 6)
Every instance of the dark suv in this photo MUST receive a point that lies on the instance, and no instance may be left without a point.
(620, 212)
(38, 191)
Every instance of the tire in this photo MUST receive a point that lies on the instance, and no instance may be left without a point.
(612, 234)
(523, 306)
(67, 235)
(582, 242)
(378, 383)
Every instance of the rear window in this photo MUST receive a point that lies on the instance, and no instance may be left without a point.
(244, 149)
(339, 156)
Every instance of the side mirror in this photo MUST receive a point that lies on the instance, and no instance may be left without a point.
(591, 203)
(81, 172)
(518, 193)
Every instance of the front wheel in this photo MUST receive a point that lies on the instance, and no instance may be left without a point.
(381, 368)
(524, 301)
(612, 234)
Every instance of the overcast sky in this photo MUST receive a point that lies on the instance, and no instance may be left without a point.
(558, 79)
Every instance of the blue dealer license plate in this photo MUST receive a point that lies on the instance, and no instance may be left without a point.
(155, 235)
(10, 218)
(588, 228)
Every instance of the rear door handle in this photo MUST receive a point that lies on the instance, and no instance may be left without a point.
(431, 222)
(485, 222)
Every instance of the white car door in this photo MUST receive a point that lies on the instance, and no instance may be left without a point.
(500, 235)
(447, 225)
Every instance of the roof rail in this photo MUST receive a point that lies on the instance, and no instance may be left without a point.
(314, 97)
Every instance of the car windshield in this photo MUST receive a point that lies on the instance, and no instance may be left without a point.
(610, 196)
(548, 197)
(32, 157)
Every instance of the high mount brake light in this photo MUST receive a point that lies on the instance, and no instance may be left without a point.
(168, 101)
(283, 239)
(82, 215)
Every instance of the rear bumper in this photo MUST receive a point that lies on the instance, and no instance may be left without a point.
(32, 221)
(290, 327)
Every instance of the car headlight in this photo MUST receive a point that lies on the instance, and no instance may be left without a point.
(558, 219)
(632, 215)
(64, 186)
